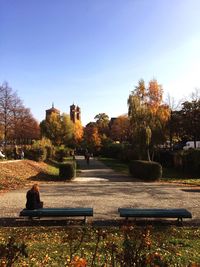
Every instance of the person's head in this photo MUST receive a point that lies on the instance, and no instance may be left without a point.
(35, 188)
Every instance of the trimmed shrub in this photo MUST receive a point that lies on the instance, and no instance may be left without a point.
(146, 170)
(62, 152)
(67, 170)
(37, 154)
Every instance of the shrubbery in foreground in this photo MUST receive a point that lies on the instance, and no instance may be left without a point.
(128, 246)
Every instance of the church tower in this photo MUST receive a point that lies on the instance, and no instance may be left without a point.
(75, 113)
(51, 111)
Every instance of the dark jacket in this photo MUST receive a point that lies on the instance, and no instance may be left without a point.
(33, 200)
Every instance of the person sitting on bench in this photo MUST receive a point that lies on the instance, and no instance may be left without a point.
(33, 198)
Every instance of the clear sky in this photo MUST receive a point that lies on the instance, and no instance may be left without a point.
(93, 52)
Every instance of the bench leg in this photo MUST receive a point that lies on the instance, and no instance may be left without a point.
(85, 220)
(180, 221)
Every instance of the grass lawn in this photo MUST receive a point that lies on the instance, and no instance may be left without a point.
(89, 246)
(169, 175)
(115, 164)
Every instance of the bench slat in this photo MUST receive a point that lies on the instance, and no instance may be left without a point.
(157, 213)
(57, 212)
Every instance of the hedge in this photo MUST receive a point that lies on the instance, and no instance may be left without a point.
(145, 170)
(37, 154)
(67, 170)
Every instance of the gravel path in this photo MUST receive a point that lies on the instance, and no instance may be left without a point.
(105, 190)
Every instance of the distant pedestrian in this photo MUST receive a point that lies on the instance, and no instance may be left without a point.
(33, 198)
(15, 152)
(1, 154)
(22, 154)
(87, 157)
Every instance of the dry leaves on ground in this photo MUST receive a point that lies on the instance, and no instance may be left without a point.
(16, 173)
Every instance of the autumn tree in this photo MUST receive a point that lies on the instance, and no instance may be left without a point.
(92, 138)
(58, 128)
(7, 99)
(148, 116)
(78, 132)
(25, 127)
(120, 129)
(16, 122)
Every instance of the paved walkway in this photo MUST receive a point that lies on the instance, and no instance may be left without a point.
(105, 190)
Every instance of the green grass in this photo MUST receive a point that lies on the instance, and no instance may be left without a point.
(169, 175)
(53, 170)
(61, 246)
(115, 165)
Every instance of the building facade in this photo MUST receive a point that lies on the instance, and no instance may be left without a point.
(75, 112)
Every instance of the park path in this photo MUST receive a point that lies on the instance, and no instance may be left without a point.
(105, 190)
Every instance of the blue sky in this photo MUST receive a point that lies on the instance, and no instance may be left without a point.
(93, 52)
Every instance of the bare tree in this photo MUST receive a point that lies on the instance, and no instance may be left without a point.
(16, 121)
(7, 99)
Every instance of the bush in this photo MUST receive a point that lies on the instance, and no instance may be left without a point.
(122, 151)
(37, 154)
(146, 170)
(191, 161)
(112, 151)
(62, 152)
(166, 158)
(8, 152)
(67, 170)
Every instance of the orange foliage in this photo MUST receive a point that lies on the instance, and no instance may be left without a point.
(155, 93)
(78, 262)
(78, 131)
(120, 128)
(155, 100)
(91, 135)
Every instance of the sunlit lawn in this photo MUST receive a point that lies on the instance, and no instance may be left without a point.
(169, 175)
(115, 164)
(68, 246)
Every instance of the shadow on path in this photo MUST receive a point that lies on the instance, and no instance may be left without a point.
(97, 171)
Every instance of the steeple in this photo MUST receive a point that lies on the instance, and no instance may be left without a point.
(75, 113)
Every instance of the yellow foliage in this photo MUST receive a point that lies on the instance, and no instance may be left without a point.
(78, 131)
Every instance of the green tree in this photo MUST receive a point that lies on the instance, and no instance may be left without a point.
(190, 120)
(59, 129)
(148, 116)
(67, 129)
(102, 122)
(51, 128)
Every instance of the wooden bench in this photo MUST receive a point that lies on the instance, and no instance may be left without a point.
(57, 212)
(154, 213)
